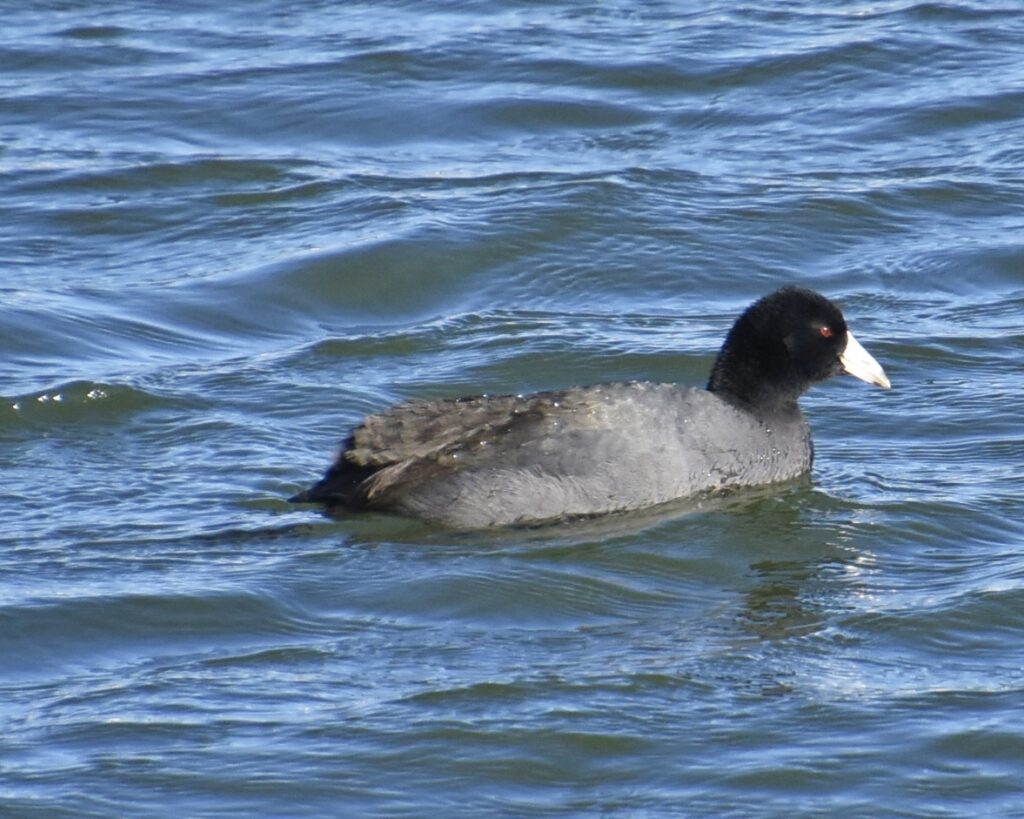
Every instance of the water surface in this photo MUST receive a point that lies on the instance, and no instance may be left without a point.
(225, 235)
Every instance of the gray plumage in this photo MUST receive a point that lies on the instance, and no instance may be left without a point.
(497, 460)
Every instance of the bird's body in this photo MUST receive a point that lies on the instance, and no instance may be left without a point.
(498, 460)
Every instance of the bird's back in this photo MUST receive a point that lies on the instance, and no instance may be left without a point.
(493, 460)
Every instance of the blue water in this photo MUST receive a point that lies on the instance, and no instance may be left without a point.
(227, 234)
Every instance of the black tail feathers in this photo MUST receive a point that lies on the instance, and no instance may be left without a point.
(337, 487)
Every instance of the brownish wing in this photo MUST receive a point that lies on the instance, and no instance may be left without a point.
(419, 440)
(418, 428)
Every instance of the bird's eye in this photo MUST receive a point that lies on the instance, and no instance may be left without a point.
(826, 331)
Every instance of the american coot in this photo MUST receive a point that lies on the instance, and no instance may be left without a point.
(507, 459)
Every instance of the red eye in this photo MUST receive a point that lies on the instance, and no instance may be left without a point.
(826, 332)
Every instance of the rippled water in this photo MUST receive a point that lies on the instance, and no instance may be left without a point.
(226, 235)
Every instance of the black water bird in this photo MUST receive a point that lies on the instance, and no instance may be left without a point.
(516, 459)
